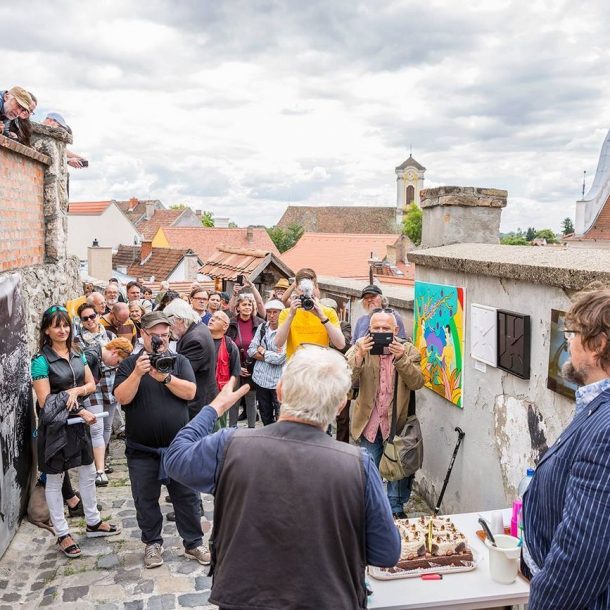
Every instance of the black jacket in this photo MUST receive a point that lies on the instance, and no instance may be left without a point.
(61, 447)
(197, 346)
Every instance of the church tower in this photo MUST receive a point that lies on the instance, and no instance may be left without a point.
(409, 181)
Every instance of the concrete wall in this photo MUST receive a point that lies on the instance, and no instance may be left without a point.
(111, 228)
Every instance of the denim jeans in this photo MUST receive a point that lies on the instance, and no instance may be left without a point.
(398, 491)
(146, 488)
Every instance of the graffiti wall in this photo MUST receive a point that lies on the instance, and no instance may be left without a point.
(16, 409)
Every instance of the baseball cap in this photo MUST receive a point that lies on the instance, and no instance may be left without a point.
(370, 289)
(153, 318)
(225, 296)
(274, 304)
(329, 303)
(24, 99)
(55, 116)
(282, 283)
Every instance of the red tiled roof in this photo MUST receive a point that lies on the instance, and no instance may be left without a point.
(601, 226)
(340, 219)
(338, 255)
(135, 209)
(160, 263)
(160, 218)
(204, 241)
(88, 208)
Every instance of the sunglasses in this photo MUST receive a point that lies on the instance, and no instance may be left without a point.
(382, 309)
(54, 309)
(91, 317)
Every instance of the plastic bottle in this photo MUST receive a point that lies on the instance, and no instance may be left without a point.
(525, 482)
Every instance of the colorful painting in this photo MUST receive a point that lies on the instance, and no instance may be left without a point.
(558, 356)
(439, 337)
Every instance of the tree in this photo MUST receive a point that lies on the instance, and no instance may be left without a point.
(513, 239)
(412, 222)
(207, 219)
(232, 225)
(530, 234)
(285, 239)
(547, 234)
(178, 206)
(567, 227)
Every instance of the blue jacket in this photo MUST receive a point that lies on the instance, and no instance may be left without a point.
(567, 516)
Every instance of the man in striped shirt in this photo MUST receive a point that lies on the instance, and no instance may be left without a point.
(566, 508)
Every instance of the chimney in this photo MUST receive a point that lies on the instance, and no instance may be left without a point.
(99, 262)
(133, 202)
(250, 236)
(150, 209)
(145, 250)
(461, 214)
(191, 264)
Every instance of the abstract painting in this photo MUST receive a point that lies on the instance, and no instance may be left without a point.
(439, 337)
(558, 356)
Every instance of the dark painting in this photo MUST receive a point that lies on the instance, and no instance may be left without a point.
(558, 356)
(514, 343)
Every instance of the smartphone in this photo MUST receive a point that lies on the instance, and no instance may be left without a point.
(381, 341)
(240, 280)
(84, 163)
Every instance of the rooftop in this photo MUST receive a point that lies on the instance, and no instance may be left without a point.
(227, 263)
(411, 162)
(159, 264)
(88, 208)
(569, 268)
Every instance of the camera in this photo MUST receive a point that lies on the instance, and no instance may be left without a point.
(163, 362)
(307, 302)
(380, 341)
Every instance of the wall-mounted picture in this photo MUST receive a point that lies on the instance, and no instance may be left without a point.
(484, 334)
(558, 356)
(439, 337)
(514, 343)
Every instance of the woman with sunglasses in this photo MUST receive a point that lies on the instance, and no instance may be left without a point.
(242, 329)
(56, 369)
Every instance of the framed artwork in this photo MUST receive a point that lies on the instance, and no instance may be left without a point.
(514, 338)
(558, 356)
(484, 334)
(439, 337)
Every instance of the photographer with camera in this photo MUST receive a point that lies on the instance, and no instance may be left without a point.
(378, 361)
(155, 387)
(307, 321)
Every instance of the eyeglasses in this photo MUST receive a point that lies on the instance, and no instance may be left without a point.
(87, 318)
(199, 299)
(570, 334)
(161, 336)
(382, 309)
(54, 309)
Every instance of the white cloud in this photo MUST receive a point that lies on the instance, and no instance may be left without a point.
(244, 107)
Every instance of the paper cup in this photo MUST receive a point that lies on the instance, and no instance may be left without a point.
(504, 559)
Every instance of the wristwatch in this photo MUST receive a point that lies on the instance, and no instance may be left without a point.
(167, 379)
(325, 321)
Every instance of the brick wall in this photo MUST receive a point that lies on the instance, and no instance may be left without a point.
(22, 231)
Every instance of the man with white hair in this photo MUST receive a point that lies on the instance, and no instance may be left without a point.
(98, 302)
(195, 343)
(315, 510)
(111, 294)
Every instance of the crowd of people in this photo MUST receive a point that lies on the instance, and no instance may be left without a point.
(178, 368)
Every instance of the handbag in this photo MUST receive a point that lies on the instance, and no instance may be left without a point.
(403, 453)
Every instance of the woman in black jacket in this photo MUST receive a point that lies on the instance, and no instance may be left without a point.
(57, 370)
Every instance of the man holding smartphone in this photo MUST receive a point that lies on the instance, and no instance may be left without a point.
(378, 361)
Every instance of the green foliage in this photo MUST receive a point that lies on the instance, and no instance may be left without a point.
(514, 239)
(232, 225)
(285, 239)
(567, 226)
(178, 206)
(530, 233)
(547, 234)
(411, 223)
(207, 219)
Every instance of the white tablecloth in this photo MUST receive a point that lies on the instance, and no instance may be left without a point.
(463, 591)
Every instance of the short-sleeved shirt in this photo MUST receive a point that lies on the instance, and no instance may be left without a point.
(127, 329)
(155, 415)
(306, 327)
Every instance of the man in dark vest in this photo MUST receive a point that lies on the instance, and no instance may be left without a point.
(298, 515)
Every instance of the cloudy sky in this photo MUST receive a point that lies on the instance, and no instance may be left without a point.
(245, 107)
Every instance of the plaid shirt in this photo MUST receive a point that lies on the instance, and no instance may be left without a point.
(267, 372)
(102, 397)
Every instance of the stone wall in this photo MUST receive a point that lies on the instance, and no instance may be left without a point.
(509, 422)
(35, 273)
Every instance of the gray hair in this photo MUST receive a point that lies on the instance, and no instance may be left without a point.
(182, 310)
(93, 296)
(314, 383)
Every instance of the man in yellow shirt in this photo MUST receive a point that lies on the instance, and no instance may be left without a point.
(306, 320)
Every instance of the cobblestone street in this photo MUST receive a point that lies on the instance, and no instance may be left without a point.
(109, 575)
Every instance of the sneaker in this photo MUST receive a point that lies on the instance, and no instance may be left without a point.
(152, 555)
(101, 480)
(200, 554)
(108, 469)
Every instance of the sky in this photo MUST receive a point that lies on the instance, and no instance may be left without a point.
(244, 107)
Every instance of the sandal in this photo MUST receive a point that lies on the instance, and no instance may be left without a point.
(72, 550)
(94, 531)
(77, 510)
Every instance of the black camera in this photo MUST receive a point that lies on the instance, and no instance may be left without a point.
(306, 302)
(163, 362)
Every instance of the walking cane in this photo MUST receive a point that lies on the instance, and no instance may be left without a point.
(461, 435)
